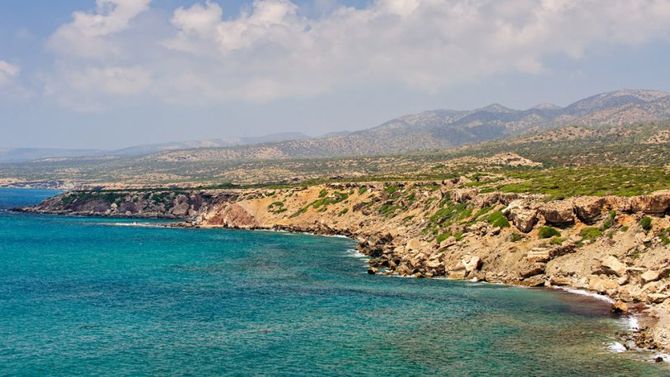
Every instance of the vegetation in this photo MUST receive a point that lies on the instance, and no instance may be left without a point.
(277, 207)
(590, 233)
(645, 223)
(548, 232)
(609, 221)
(498, 219)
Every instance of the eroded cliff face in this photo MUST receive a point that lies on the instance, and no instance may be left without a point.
(614, 246)
(176, 204)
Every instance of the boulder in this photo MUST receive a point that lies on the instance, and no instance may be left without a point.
(602, 285)
(650, 276)
(522, 215)
(619, 307)
(233, 216)
(471, 263)
(535, 269)
(656, 204)
(588, 208)
(558, 213)
(611, 265)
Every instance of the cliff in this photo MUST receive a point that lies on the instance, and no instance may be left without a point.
(615, 246)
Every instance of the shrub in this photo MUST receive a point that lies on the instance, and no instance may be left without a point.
(323, 193)
(556, 241)
(610, 220)
(442, 237)
(498, 219)
(590, 233)
(548, 232)
(516, 237)
(362, 190)
(645, 223)
(663, 235)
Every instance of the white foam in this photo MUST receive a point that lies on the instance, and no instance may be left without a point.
(616, 347)
(353, 253)
(664, 356)
(135, 224)
(632, 323)
(586, 293)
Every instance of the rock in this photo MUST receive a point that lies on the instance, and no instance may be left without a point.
(619, 307)
(610, 264)
(521, 215)
(234, 216)
(657, 298)
(656, 204)
(533, 270)
(650, 276)
(433, 263)
(471, 263)
(602, 285)
(533, 281)
(372, 271)
(559, 280)
(558, 213)
(588, 208)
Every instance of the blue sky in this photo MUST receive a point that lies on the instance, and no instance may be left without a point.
(126, 72)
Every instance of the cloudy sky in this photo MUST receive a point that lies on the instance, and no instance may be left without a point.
(112, 73)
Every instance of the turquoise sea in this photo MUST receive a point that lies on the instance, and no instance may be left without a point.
(92, 296)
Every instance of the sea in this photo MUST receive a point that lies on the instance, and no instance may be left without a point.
(124, 297)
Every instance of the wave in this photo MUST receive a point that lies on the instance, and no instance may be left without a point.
(617, 347)
(135, 224)
(353, 253)
(586, 293)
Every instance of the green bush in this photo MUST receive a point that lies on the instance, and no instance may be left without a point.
(548, 232)
(610, 220)
(556, 241)
(516, 237)
(645, 223)
(498, 219)
(590, 233)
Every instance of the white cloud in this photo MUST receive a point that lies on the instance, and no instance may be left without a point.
(271, 50)
(87, 35)
(8, 72)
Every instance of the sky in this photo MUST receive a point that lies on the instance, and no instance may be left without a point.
(107, 74)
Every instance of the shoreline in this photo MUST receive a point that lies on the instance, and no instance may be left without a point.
(632, 318)
(390, 222)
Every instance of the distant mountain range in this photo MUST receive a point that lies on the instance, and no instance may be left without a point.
(439, 129)
(32, 154)
(436, 129)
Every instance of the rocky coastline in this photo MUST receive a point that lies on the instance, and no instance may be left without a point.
(613, 246)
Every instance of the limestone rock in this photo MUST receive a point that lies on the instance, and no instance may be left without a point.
(602, 285)
(533, 270)
(472, 263)
(650, 276)
(522, 215)
(656, 204)
(619, 307)
(610, 264)
(558, 213)
(588, 208)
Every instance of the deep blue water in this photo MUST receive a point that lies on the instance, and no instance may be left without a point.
(82, 296)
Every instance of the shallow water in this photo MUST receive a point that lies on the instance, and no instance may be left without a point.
(81, 296)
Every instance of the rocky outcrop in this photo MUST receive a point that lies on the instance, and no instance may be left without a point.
(558, 213)
(523, 214)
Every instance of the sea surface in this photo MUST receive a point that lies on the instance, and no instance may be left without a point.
(95, 296)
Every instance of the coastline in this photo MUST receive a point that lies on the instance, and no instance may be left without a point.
(603, 266)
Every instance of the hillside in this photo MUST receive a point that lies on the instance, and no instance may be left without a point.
(450, 128)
